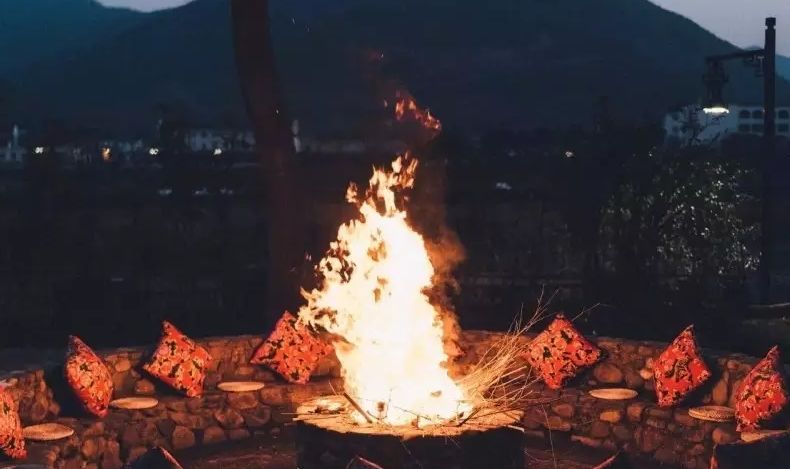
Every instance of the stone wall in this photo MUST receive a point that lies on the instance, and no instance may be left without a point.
(638, 426)
(176, 423)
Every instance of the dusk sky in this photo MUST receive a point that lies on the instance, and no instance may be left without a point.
(738, 21)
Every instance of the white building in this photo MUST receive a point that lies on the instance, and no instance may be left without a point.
(691, 125)
(14, 152)
(209, 140)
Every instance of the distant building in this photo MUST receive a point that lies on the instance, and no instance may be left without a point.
(690, 125)
(14, 152)
(209, 140)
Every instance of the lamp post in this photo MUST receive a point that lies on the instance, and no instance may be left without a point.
(764, 61)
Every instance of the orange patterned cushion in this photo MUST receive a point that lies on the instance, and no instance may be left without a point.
(291, 350)
(679, 369)
(560, 352)
(88, 377)
(179, 362)
(762, 394)
(12, 444)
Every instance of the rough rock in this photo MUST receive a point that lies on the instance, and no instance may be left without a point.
(213, 434)
(608, 373)
(229, 418)
(182, 438)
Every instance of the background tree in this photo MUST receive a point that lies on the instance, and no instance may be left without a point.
(263, 97)
(679, 235)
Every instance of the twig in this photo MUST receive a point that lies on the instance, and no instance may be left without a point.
(471, 414)
(358, 407)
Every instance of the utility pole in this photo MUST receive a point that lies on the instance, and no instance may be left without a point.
(769, 153)
(764, 60)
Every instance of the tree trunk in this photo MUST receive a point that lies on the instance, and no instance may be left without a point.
(255, 62)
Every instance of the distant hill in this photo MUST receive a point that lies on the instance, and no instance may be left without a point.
(478, 65)
(55, 30)
(783, 66)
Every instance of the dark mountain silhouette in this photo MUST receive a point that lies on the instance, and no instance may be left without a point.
(54, 30)
(478, 65)
(783, 66)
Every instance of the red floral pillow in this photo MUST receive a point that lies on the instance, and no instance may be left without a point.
(763, 394)
(179, 362)
(88, 377)
(291, 350)
(679, 369)
(560, 352)
(12, 443)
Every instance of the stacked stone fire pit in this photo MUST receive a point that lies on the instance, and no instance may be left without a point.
(327, 438)
(637, 426)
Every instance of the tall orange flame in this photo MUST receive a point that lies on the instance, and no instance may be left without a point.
(406, 108)
(373, 299)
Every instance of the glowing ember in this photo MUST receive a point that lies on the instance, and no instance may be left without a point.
(405, 106)
(372, 298)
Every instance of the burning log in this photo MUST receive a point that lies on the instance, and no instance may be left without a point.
(357, 407)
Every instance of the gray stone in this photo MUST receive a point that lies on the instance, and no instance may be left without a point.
(564, 410)
(92, 448)
(130, 437)
(123, 365)
(556, 423)
(257, 418)
(144, 387)
(659, 413)
(194, 404)
(651, 439)
(667, 456)
(611, 415)
(229, 418)
(134, 454)
(682, 417)
(273, 395)
(239, 434)
(213, 434)
(723, 435)
(166, 427)
(599, 429)
(622, 433)
(242, 400)
(635, 411)
(720, 392)
(182, 438)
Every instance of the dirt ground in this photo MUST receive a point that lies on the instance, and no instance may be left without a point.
(280, 453)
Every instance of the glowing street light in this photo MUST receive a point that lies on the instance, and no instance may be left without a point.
(218, 152)
(716, 111)
(715, 78)
(39, 150)
(153, 151)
